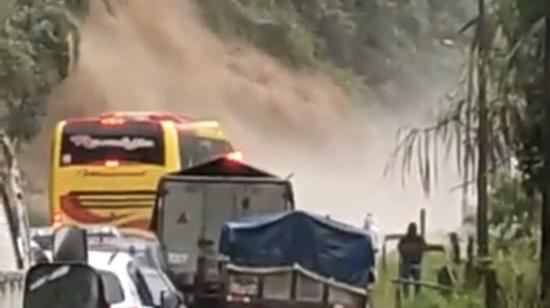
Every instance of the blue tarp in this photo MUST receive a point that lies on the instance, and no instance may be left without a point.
(318, 244)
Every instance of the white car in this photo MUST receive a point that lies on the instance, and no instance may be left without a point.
(44, 235)
(126, 285)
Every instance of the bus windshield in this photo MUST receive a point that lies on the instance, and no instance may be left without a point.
(85, 143)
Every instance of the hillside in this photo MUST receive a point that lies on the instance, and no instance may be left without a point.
(386, 44)
(275, 94)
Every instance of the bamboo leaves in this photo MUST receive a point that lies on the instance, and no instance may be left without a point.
(455, 130)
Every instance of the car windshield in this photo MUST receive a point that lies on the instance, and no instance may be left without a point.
(149, 256)
(114, 293)
(145, 254)
(156, 285)
(144, 259)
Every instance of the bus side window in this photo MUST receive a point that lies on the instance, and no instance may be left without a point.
(213, 148)
(186, 150)
(195, 150)
(204, 150)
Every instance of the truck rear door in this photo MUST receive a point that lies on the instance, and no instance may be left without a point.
(219, 206)
(181, 223)
(261, 198)
(194, 211)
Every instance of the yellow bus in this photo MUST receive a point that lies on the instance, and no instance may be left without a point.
(105, 170)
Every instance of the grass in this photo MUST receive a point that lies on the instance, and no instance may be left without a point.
(516, 266)
(384, 292)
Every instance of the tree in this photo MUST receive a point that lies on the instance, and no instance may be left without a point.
(545, 254)
(507, 50)
(39, 44)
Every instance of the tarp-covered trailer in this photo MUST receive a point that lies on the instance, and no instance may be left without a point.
(295, 259)
(191, 208)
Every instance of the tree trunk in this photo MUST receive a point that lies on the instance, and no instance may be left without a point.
(545, 251)
(483, 136)
(482, 194)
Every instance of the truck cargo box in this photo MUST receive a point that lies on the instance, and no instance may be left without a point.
(192, 206)
(287, 287)
(323, 246)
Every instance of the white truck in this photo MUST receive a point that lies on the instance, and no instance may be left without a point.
(191, 208)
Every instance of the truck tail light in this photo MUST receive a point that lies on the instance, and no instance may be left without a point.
(237, 156)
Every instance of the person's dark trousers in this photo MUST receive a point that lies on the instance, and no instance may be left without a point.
(410, 271)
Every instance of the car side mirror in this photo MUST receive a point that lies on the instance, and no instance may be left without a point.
(169, 299)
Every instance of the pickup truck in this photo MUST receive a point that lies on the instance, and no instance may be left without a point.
(295, 259)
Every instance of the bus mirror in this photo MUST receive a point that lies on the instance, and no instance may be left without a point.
(46, 285)
(70, 245)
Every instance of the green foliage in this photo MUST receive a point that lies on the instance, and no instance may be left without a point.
(268, 24)
(434, 300)
(38, 45)
(384, 291)
(515, 103)
(530, 10)
(515, 241)
(376, 40)
(514, 213)
(512, 65)
(517, 269)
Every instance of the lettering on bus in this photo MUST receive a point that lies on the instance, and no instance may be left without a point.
(86, 173)
(126, 143)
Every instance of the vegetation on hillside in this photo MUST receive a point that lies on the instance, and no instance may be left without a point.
(376, 40)
(370, 42)
(38, 44)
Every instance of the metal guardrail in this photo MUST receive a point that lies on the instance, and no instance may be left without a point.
(11, 289)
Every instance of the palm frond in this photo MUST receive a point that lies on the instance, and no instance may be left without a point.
(456, 129)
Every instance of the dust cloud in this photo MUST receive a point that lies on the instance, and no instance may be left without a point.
(158, 55)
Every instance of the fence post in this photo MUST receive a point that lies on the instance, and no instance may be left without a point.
(397, 295)
(423, 223)
(491, 288)
(384, 260)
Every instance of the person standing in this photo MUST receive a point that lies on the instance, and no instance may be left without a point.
(411, 250)
(373, 232)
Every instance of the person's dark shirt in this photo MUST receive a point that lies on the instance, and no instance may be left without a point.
(411, 249)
